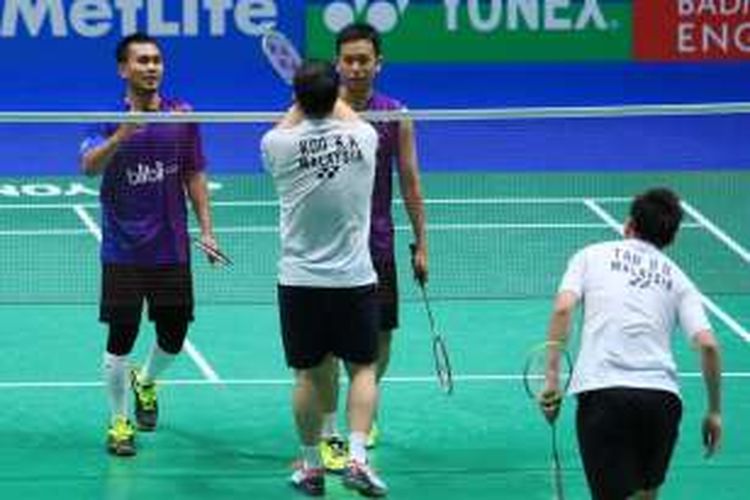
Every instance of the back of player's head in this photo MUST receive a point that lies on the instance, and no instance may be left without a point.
(656, 215)
(358, 31)
(316, 87)
(121, 51)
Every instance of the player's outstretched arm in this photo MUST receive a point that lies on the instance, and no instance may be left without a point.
(411, 191)
(96, 159)
(557, 337)
(711, 368)
(197, 187)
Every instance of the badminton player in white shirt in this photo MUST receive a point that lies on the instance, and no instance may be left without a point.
(629, 407)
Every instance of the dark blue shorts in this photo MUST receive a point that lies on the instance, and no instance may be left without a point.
(387, 293)
(626, 437)
(316, 322)
(166, 289)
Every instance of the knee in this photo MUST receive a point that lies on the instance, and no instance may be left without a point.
(305, 381)
(384, 339)
(121, 338)
(362, 374)
(170, 335)
(645, 494)
(320, 377)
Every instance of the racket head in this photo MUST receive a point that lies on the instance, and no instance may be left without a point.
(281, 54)
(443, 368)
(535, 369)
(214, 254)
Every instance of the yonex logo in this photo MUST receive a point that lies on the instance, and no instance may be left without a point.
(383, 15)
(483, 30)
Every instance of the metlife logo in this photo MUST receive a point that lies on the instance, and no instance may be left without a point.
(161, 18)
(481, 30)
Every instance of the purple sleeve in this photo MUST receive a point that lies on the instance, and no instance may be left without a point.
(95, 137)
(197, 160)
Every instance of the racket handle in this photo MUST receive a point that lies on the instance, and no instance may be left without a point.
(413, 251)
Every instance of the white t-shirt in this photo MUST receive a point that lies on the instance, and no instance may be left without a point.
(633, 296)
(323, 171)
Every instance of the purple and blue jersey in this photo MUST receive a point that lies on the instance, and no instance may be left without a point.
(381, 230)
(142, 193)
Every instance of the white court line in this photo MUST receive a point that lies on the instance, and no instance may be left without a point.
(452, 201)
(201, 362)
(710, 305)
(268, 382)
(439, 227)
(194, 354)
(45, 206)
(604, 215)
(508, 225)
(45, 232)
(732, 244)
(720, 234)
(515, 201)
(406, 228)
(88, 221)
(427, 201)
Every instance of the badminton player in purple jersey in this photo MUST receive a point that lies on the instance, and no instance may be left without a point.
(146, 171)
(359, 61)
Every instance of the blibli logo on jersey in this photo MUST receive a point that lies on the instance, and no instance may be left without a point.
(147, 174)
(383, 15)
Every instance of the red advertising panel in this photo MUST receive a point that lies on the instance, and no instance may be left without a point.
(691, 30)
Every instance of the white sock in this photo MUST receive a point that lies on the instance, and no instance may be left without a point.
(330, 425)
(357, 451)
(116, 381)
(156, 362)
(311, 457)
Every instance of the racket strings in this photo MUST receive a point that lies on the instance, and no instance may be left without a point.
(443, 365)
(281, 54)
(535, 372)
(280, 51)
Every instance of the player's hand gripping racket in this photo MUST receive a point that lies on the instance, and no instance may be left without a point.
(439, 349)
(548, 393)
(214, 254)
(281, 55)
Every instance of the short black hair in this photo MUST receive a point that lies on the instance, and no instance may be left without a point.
(656, 216)
(358, 31)
(121, 51)
(316, 87)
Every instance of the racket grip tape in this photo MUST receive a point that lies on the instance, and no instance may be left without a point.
(413, 252)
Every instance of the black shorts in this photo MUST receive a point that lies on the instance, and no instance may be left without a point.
(387, 293)
(626, 437)
(316, 322)
(167, 289)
